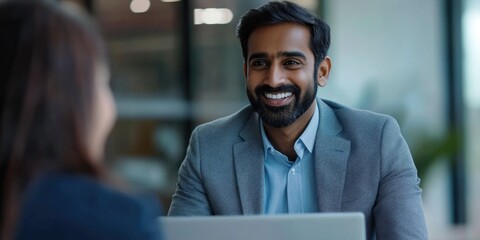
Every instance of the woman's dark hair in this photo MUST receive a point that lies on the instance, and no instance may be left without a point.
(47, 66)
(285, 12)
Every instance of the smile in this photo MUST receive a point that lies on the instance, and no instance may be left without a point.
(278, 95)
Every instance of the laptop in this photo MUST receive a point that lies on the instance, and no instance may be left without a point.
(329, 226)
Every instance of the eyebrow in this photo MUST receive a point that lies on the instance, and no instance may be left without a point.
(257, 55)
(291, 54)
(279, 54)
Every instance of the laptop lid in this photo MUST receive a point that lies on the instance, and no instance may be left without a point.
(331, 226)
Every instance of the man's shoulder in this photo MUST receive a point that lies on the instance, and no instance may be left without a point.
(346, 113)
(232, 123)
(360, 122)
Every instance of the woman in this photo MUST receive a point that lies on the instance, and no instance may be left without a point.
(56, 111)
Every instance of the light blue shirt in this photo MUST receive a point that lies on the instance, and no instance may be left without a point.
(290, 186)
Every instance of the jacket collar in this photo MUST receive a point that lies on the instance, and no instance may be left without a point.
(331, 155)
(248, 160)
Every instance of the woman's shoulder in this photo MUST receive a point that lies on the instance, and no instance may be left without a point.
(69, 206)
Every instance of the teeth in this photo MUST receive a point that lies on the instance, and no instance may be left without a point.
(278, 95)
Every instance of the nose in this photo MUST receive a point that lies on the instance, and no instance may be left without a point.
(275, 76)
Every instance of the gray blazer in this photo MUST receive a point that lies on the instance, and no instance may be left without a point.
(362, 164)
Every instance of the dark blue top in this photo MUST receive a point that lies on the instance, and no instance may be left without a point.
(67, 206)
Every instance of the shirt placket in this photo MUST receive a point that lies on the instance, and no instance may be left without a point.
(294, 198)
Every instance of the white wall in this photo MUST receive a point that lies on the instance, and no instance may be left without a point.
(389, 56)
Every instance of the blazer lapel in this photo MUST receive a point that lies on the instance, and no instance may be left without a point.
(248, 159)
(331, 155)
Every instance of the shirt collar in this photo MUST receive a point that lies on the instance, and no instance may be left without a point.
(307, 137)
(310, 132)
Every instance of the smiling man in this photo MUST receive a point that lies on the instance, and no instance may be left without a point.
(290, 151)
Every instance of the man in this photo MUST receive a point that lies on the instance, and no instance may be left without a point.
(291, 152)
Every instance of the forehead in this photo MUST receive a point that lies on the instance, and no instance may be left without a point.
(276, 38)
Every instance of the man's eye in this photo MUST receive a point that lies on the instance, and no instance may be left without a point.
(291, 62)
(259, 63)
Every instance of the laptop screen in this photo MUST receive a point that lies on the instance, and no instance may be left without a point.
(338, 226)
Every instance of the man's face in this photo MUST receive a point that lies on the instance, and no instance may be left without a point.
(279, 72)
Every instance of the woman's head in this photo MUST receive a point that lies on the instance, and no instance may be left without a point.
(54, 76)
(56, 108)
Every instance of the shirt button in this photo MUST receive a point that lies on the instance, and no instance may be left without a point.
(293, 171)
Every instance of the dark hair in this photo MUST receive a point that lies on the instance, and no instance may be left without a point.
(47, 66)
(285, 12)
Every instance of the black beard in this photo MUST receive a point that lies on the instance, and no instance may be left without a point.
(282, 116)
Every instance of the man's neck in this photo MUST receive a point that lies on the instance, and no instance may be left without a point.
(283, 139)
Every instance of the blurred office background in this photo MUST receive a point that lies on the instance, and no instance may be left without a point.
(177, 63)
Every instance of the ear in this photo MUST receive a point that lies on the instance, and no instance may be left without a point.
(323, 71)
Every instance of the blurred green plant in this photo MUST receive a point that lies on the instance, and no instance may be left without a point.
(429, 150)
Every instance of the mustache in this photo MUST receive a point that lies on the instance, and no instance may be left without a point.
(282, 88)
